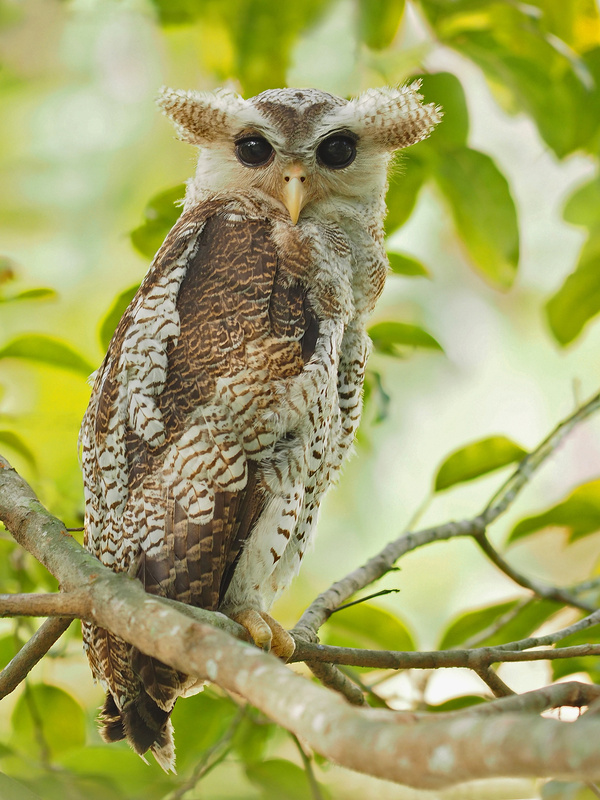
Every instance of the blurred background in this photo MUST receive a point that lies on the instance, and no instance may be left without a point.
(487, 331)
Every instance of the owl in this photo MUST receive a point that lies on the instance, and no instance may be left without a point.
(231, 391)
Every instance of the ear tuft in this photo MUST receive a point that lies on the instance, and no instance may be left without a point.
(201, 117)
(396, 117)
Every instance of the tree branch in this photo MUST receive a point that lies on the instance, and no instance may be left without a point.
(332, 678)
(72, 604)
(540, 589)
(339, 592)
(32, 651)
(475, 659)
(391, 745)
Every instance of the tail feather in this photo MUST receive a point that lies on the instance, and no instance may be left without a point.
(144, 724)
(111, 723)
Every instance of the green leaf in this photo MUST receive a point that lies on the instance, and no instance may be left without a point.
(465, 626)
(575, 23)
(578, 299)
(52, 713)
(457, 703)
(579, 514)
(31, 294)
(109, 324)
(252, 737)
(9, 647)
(444, 89)
(483, 210)
(10, 439)
(589, 664)
(476, 459)
(278, 778)
(379, 21)
(123, 768)
(389, 336)
(216, 714)
(160, 215)
(249, 40)
(366, 625)
(563, 790)
(10, 789)
(527, 69)
(406, 265)
(524, 622)
(583, 206)
(46, 350)
(61, 786)
(406, 182)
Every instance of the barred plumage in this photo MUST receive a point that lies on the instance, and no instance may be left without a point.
(231, 390)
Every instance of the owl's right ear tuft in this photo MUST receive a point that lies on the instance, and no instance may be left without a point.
(201, 117)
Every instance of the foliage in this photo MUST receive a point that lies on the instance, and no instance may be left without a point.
(110, 173)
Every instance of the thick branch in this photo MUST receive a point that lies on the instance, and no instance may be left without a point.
(320, 657)
(389, 745)
(75, 604)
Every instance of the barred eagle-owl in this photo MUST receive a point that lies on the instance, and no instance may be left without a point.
(231, 390)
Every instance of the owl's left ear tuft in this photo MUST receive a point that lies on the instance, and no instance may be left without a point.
(201, 117)
(396, 118)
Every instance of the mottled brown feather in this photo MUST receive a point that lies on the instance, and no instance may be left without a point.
(236, 291)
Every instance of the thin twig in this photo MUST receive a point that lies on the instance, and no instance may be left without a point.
(532, 462)
(331, 677)
(540, 589)
(571, 693)
(493, 680)
(308, 768)
(365, 599)
(340, 591)
(586, 586)
(33, 651)
(582, 624)
(496, 625)
(368, 691)
(475, 659)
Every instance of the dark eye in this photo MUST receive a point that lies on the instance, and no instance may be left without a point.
(254, 151)
(337, 151)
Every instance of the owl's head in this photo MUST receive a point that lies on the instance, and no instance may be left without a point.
(303, 148)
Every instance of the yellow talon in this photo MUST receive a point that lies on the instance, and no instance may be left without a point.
(266, 632)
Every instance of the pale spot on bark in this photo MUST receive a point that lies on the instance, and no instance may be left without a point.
(211, 669)
(442, 759)
(319, 722)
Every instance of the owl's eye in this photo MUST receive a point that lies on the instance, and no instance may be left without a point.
(253, 151)
(337, 151)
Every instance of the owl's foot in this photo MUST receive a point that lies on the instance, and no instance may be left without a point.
(266, 632)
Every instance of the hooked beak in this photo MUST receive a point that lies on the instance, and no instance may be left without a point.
(294, 191)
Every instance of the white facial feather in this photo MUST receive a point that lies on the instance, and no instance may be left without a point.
(295, 122)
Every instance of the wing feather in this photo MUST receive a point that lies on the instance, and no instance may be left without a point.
(171, 425)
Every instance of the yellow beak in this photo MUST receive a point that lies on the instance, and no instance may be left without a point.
(294, 192)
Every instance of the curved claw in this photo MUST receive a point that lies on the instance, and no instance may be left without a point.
(266, 632)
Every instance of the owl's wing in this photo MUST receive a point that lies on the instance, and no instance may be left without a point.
(177, 440)
(174, 437)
